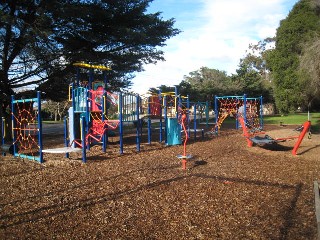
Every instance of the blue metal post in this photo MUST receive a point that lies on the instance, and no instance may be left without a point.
(237, 120)
(261, 113)
(87, 122)
(121, 123)
(149, 121)
(207, 114)
(160, 122)
(165, 119)
(89, 104)
(195, 121)
(124, 107)
(3, 131)
(245, 108)
(40, 127)
(175, 97)
(199, 105)
(73, 115)
(104, 113)
(13, 127)
(83, 139)
(216, 113)
(104, 135)
(66, 138)
(141, 122)
(138, 123)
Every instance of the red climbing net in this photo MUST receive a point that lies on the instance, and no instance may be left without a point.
(100, 126)
(25, 129)
(232, 107)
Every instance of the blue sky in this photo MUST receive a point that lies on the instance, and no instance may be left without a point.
(215, 34)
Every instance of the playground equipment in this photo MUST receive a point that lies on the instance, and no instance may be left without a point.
(167, 106)
(171, 101)
(251, 110)
(26, 126)
(89, 120)
(154, 111)
(198, 109)
(94, 114)
(254, 136)
(26, 129)
(67, 149)
(102, 111)
(183, 120)
(184, 156)
(170, 104)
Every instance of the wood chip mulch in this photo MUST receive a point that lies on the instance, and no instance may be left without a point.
(229, 191)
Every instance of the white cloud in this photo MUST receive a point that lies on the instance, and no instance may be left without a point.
(220, 34)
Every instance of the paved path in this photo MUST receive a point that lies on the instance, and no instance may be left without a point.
(56, 128)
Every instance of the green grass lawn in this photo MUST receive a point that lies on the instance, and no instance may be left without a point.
(297, 118)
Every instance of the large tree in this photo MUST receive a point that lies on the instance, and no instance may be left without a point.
(207, 82)
(41, 39)
(309, 70)
(301, 25)
(252, 76)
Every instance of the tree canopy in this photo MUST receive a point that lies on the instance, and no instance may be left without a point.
(207, 82)
(309, 70)
(287, 73)
(41, 39)
(301, 25)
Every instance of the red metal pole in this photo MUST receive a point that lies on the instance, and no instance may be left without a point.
(184, 159)
(245, 132)
(306, 127)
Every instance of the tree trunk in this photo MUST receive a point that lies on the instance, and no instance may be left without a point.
(5, 100)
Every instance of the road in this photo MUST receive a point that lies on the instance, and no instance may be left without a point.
(56, 128)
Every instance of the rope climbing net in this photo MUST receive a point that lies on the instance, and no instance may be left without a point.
(26, 128)
(227, 107)
(253, 114)
(100, 124)
(234, 106)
